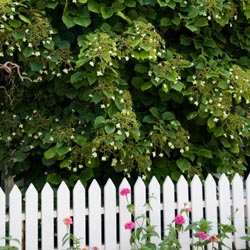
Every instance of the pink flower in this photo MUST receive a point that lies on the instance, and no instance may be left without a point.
(67, 221)
(129, 225)
(179, 219)
(125, 191)
(187, 209)
(202, 235)
(95, 248)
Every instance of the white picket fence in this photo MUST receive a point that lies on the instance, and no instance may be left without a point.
(99, 214)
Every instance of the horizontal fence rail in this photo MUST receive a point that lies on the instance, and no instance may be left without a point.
(99, 214)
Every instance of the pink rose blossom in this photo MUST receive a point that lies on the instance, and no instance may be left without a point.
(179, 219)
(95, 248)
(202, 235)
(67, 221)
(129, 225)
(125, 191)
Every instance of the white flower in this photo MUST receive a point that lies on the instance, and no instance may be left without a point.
(37, 53)
(127, 133)
(91, 63)
(114, 162)
(72, 137)
(104, 158)
(51, 138)
(196, 103)
(119, 132)
(161, 155)
(154, 154)
(157, 79)
(99, 73)
(66, 71)
(215, 119)
(181, 150)
(80, 166)
(143, 177)
(102, 106)
(94, 154)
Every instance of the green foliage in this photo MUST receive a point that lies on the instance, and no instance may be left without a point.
(150, 87)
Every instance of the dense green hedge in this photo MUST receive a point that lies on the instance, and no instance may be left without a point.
(149, 87)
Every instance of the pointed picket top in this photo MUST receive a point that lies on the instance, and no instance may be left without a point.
(46, 188)
(79, 186)
(238, 208)
(169, 204)
(197, 198)
(14, 189)
(31, 191)
(79, 214)
(110, 228)
(62, 187)
(2, 217)
(109, 184)
(155, 211)
(47, 217)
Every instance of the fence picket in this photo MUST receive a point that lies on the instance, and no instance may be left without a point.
(238, 209)
(169, 204)
(2, 217)
(182, 201)
(31, 218)
(110, 222)
(155, 211)
(95, 220)
(124, 216)
(225, 206)
(248, 202)
(211, 202)
(63, 211)
(47, 217)
(79, 214)
(140, 201)
(196, 200)
(15, 214)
